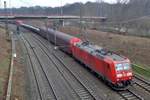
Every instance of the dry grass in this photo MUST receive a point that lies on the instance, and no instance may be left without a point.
(19, 80)
(5, 52)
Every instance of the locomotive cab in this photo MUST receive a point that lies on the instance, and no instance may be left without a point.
(123, 74)
(113, 68)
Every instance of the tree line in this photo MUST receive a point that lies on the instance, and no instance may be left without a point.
(121, 10)
(130, 16)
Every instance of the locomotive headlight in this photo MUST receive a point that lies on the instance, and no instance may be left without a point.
(119, 75)
(129, 74)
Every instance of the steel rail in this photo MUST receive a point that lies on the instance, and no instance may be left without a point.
(34, 73)
(55, 97)
(129, 95)
(142, 83)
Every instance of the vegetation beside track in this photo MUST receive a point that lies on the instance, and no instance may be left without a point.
(141, 70)
(4, 66)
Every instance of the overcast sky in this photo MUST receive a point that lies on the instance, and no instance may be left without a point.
(52, 3)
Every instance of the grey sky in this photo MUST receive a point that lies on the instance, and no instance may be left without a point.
(52, 3)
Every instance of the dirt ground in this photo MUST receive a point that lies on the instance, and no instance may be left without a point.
(18, 73)
(137, 49)
(5, 54)
(18, 85)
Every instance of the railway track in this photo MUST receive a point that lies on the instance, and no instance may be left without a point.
(129, 95)
(142, 83)
(39, 96)
(79, 87)
(46, 93)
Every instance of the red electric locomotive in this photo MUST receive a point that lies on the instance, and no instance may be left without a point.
(113, 68)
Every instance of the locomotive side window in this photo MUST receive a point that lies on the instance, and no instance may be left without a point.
(119, 67)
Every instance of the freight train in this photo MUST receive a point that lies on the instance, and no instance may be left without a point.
(113, 68)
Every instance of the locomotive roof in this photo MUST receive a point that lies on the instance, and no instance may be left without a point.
(99, 51)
